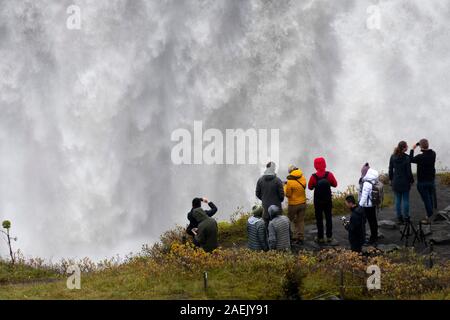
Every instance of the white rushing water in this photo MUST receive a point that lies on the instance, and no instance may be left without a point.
(87, 115)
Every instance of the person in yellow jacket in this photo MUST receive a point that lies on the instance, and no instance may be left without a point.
(295, 191)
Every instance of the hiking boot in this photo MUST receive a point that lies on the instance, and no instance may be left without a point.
(330, 240)
(426, 221)
(400, 220)
(320, 240)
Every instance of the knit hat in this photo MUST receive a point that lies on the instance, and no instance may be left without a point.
(364, 170)
(291, 168)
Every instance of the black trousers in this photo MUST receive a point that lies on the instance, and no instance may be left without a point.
(321, 209)
(371, 216)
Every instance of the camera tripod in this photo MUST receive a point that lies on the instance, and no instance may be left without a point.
(410, 230)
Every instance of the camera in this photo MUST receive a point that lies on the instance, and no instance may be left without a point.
(417, 144)
(344, 221)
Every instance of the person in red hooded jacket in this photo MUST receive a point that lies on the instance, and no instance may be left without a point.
(321, 182)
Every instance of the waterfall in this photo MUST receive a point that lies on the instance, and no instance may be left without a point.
(87, 114)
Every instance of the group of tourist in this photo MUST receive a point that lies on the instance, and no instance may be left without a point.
(268, 228)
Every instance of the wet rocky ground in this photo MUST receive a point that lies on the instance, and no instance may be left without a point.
(437, 235)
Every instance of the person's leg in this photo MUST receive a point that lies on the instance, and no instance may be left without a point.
(405, 199)
(301, 222)
(426, 193)
(398, 204)
(318, 209)
(371, 214)
(329, 219)
(429, 190)
(435, 205)
(292, 215)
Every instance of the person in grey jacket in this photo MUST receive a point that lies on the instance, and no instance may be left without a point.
(279, 230)
(270, 190)
(256, 231)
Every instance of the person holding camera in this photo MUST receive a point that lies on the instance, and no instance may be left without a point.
(401, 177)
(197, 203)
(356, 227)
(202, 227)
(426, 175)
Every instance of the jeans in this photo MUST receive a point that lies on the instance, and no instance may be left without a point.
(402, 198)
(321, 209)
(426, 190)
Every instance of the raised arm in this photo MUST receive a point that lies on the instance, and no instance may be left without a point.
(213, 210)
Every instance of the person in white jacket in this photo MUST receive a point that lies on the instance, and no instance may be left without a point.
(368, 179)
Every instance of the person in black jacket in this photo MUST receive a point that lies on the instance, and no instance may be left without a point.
(401, 177)
(357, 225)
(197, 203)
(270, 190)
(426, 175)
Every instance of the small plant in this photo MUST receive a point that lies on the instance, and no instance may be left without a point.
(445, 178)
(7, 226)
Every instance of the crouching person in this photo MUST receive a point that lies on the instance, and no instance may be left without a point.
(279, 230)
(256, 230)
(357, 226)
(197, 203)
(205, 235)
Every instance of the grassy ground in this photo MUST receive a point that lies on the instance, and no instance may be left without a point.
(242, 274)
(174, 269)
(444, 178)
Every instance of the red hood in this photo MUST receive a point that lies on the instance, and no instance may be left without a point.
(320, 165)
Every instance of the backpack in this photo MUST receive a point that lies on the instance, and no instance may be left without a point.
(377, 194)
(323, 187)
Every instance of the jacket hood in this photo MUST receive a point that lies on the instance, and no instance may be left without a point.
(320, 164)
(295, 174)
(253, 220)
(371, 175)
(273, 211)
(199, 215)
(270, 171)
(364, 170)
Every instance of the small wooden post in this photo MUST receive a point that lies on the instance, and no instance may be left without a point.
(205, 281)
